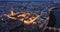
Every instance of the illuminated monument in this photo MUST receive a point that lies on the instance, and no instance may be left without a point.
(25, 17)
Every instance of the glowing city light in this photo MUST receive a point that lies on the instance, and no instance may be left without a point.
(22, 16)
(12, 13)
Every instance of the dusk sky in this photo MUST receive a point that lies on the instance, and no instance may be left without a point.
(29, 0)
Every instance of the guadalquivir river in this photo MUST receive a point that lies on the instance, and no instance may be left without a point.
(57, 16)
